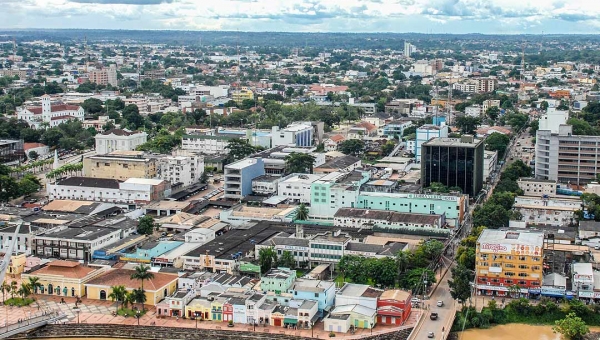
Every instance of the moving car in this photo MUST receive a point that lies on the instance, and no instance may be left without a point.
(433, 316)
(415, 300)
(440, 303)
(430, 335)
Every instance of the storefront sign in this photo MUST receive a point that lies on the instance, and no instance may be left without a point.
(495, 248)
(434, 197)
(596, 295)
(520, 249)
(583, 294)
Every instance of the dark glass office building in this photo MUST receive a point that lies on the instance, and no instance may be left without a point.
(454, 162)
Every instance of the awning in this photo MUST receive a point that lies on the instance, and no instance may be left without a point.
(290, 321)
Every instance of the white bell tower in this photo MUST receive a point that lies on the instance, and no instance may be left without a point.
(46, 108)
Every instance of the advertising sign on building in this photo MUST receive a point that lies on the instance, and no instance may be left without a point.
(495, 248)
(521, 249)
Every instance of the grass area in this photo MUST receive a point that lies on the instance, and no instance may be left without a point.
(129, 312)
(300, 272)
(17, 301)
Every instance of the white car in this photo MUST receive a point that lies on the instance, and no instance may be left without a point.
(415, 300)
(440, 303)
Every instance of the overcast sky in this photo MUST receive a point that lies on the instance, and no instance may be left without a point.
(423, 16)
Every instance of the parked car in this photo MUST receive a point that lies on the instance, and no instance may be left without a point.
(415, 300)
(440, 303)
(433, 316)
(430, 335)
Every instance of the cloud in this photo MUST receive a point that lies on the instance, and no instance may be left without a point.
(460, 16)
(122, 2)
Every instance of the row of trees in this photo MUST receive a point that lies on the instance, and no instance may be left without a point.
(67, 169)
(408, 270)
(23, 291)
(12, 188)
(268, 258)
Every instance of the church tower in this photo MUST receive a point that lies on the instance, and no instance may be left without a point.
(46, 108)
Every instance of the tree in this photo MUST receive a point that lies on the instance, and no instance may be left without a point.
(34, 283)
(544, 105)
(302, 212)
(92, 106)
(239, 149)
(497, 142)
(139, 295)
(146, 225)
(414, 279)
(33, 155)
(460, 285)
(267, 259)
(504, 199)
(467, 124)
(118, 293)
(25, 290)
(13, 289)
(352, 147)
(142, 273)
(28, 185)
(297, 162)
(8, 188)
(131, 114)
(129, 299)
(493, 216)
(493, 112)
(287, 260)
(571, 327)
(5, 287)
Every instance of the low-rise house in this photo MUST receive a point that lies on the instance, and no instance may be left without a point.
(277, 315)
(357, 294)
(216, 308)
(331, 143)
(393, 307)
(323, 292)
(199, 308)
(277, 280)
(253, 304)
(175, 304)
(156, 288)
(359, 317)
(308, 314)
(589, 229)
(63, 278)
(263, 313)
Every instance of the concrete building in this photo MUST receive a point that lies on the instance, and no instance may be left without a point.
(453, 162)
(424, 134)
(396, 128)
(547, 210)
(206, 144)
(408, 49)
(184, 170)
(335, 190)
(119, 140)
(242, 94)
(300, 134)
(553, 119)
(131, 192)
(485, 85)
(120, 165)
(297, 187)
(277, 280)
(473, 111)
(583, 280)
(490, 161)
(366, 218)
(63, 278)
(357, 294)
(50, 114)
(537, 187)
(104, 76)
(239, 175)
(265, 184)
(505, 259)
(567, 158)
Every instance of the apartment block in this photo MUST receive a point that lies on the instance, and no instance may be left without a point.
(505, 259)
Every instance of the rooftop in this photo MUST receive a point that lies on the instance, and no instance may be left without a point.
(90, 182)
(146, 181)
(495, 237)
(241, 164)
(122, 277)
(353, 289)
(65, 269)
(390, 216)
(339, 163)
(453, 142)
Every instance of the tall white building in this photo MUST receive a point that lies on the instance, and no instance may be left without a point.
(300, 134)
(296, 187)
(50, 114)
(119, 140)
(181, 169)
(425, 133)
(408, 49)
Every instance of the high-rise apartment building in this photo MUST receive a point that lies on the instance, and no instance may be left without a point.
(408, 49)
(509, 259)
(454, 162)
(104, 76)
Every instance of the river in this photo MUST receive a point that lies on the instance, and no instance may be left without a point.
(513, 332)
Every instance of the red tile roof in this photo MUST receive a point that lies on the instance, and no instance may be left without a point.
(62, 117)
(37, 110)
(337, 138)
(27, 146)
(69, 269)
(123, 277)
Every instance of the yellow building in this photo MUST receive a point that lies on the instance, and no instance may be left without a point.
(17, 264)
(199, 306)
(240, 95)
(156, 288)
(120, 165)
(63, 278)
(509, 262)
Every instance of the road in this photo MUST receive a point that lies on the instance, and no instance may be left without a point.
(446, 313)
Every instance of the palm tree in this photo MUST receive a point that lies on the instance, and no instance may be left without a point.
(118, 294)
(402, 261)
(140, 296)
(5, 287)
(128, 299)
(13, 289)
(24, 290)
(142, 273)
(302, 212)
(34, 283)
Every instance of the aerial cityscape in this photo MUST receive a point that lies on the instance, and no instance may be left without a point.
(205, 178)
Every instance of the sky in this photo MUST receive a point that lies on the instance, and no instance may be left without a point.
(399, 16)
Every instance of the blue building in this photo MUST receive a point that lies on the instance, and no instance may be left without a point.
(425, 133)
(316, 290)
(146, 252)
(239, 175)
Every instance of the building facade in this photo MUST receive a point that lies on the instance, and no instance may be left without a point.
(509, 262)
(210, 145)
(296, 134)
(119, 140)
(239, 175)
(184, 170)
(52, 115)
(120, 165)
(426, 133)
(454, 163)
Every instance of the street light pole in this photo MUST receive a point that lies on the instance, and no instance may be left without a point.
(372, 328)
(138, 316)
(312, 329)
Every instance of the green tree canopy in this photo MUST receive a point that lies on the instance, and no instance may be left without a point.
(146, 225)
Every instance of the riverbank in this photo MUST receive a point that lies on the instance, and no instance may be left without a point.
(516, 332)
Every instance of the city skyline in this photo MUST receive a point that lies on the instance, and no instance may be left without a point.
(369, 16)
